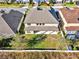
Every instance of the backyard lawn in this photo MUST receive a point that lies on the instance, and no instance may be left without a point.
(27, 41)
(39, 41)
(53, 41)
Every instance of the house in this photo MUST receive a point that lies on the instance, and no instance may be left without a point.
(70, 17)
(58, 1)
(3, 1)
(62, 1)
(41, 21)
(10, 22)
(11, 1)
(7, 1)
(24, 1)
(36, 1)
(77, 2)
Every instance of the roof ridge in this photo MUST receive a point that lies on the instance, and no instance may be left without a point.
(6, 24)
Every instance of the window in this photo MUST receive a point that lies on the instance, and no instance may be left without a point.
(28, 24)
(43, 23)
(40, 23)
(37, 23)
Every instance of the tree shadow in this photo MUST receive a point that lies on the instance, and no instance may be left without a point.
(5, 42)
(37, 39)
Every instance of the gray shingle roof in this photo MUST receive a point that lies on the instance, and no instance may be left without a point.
(10, 22)
(7, 0)
(7, 10)
(4, 28)
(3, 0)
(40, 16)
(41, 28)
(13, 19)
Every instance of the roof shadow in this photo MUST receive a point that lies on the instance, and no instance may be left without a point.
(52, 11)
(13, 19)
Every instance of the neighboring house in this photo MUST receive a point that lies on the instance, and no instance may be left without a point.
(24, 1)
(36, 1)
(3, 1)
(62, 1)
(58, 1)
(70, 17)
(41, 22)
(11, 1)
(77, 2)
(6, 1)
(10, 22)
(70, 0)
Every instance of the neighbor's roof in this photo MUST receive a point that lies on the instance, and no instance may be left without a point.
(4, 28)
(71, 15)
(41, 28)
(3, 0)
(10, 22)
(41, 16)
(72, 28)
(7, 10)
(13, 19)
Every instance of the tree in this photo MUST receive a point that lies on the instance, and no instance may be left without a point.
(50, 1)
(30, 1)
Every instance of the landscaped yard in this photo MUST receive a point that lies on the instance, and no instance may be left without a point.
(52, 41)
(35, 41)
(70, 4)
(11, 5)
(39, 41)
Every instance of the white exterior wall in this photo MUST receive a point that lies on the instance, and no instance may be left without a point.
(42, 32)
(31, 32)
(42, 25)
(51, 25)
(71, 24)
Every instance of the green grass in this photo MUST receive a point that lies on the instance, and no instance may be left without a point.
(70, 4)
(30, 41)
(11, 5)
(52, 41)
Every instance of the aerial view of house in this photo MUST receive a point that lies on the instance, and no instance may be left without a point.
(5, 1)
(33, 24)
(71, 21)
(41, 22)
(10, 20)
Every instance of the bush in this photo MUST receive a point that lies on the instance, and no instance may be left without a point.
(36, 40)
